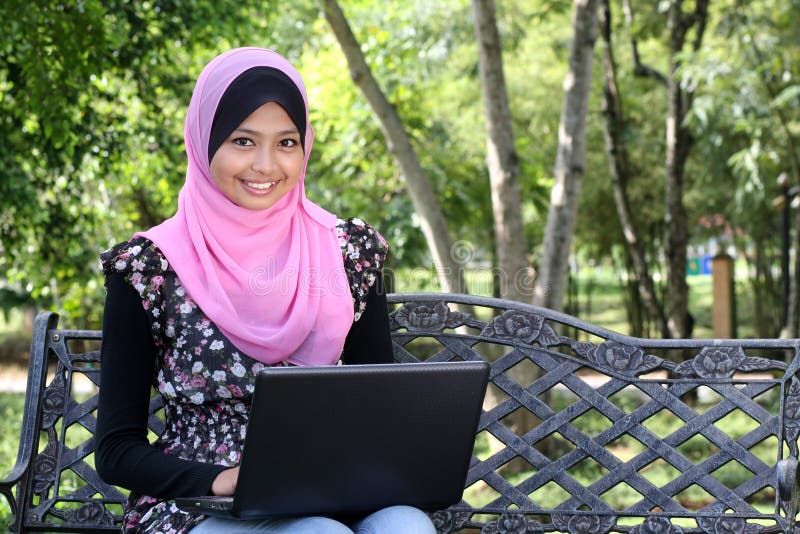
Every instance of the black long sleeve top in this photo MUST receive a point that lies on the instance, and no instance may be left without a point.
(124, 455)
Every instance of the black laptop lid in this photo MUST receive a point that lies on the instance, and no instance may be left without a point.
(354, 439)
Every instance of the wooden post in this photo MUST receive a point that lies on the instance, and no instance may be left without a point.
(722, 310)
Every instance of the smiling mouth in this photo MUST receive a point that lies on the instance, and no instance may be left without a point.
(262, 186)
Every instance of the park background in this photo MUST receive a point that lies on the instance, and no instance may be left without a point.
(586, 155)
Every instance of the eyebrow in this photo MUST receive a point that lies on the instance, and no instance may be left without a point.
(254, 132)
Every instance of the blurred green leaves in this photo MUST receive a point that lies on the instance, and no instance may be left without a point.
(93, 95)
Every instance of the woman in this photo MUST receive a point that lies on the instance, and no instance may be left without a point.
(248, 273)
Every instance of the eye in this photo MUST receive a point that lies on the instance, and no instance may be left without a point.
(288, 142)
(242, 141)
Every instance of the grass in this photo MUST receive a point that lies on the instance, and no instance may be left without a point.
(599, 301)
(659, 473)
(11, 406)
(597, 297)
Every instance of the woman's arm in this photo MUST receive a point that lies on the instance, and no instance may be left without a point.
(369, 339)
(124, 456)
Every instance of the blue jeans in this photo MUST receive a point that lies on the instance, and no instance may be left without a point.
(392, 520)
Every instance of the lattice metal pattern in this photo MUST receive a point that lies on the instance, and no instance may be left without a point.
(667, 445)
(588, 432)
(63, 491)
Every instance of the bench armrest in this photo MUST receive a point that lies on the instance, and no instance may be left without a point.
(29, 437)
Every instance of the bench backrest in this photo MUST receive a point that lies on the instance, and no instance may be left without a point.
(583, 430)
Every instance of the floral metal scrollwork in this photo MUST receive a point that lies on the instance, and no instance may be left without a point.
(91, 513)
(512, 523)
(728, 525)
(428, 316)
(656, 525)
(584, 524)
(624, 359)
(791, 416)
(44, 470)
(53, 399)
(447, 521)
(527, 327)
(723, 362)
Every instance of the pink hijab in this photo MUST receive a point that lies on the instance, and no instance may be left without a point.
(272, 280)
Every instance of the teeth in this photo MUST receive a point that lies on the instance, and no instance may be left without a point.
(261, 185)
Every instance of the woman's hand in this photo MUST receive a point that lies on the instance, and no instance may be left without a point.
(225, 483)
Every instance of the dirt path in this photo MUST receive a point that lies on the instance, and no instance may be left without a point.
(14, 379)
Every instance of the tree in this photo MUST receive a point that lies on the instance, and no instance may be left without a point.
(780, 95)
(434, 224)
(569, 167)
(93, 130)
(614, 129)
(679, 141)
(501, 157)
(748, 103)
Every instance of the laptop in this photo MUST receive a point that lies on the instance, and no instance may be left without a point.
(349, 440)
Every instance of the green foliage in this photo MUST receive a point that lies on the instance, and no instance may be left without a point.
(11, 405)
(749, 124)
(744, 119)
(93, 95)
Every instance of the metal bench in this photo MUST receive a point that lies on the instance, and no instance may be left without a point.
(583, 430)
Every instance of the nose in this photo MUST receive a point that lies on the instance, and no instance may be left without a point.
(263, 161)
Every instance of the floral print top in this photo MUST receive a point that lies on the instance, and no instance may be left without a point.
(206, 383)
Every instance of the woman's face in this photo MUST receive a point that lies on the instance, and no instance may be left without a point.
(261, 160)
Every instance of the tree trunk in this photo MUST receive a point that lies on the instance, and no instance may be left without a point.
(792, 326)
(679, 142)
(619, 169)
(512, 272)
(633, 306)
(570, 158)
(434, 225)
(501, 158)
(766, 297)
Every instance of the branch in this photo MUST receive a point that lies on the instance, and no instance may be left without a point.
(699, 17)
(433, 222)
(360, 72)
(639, 68)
